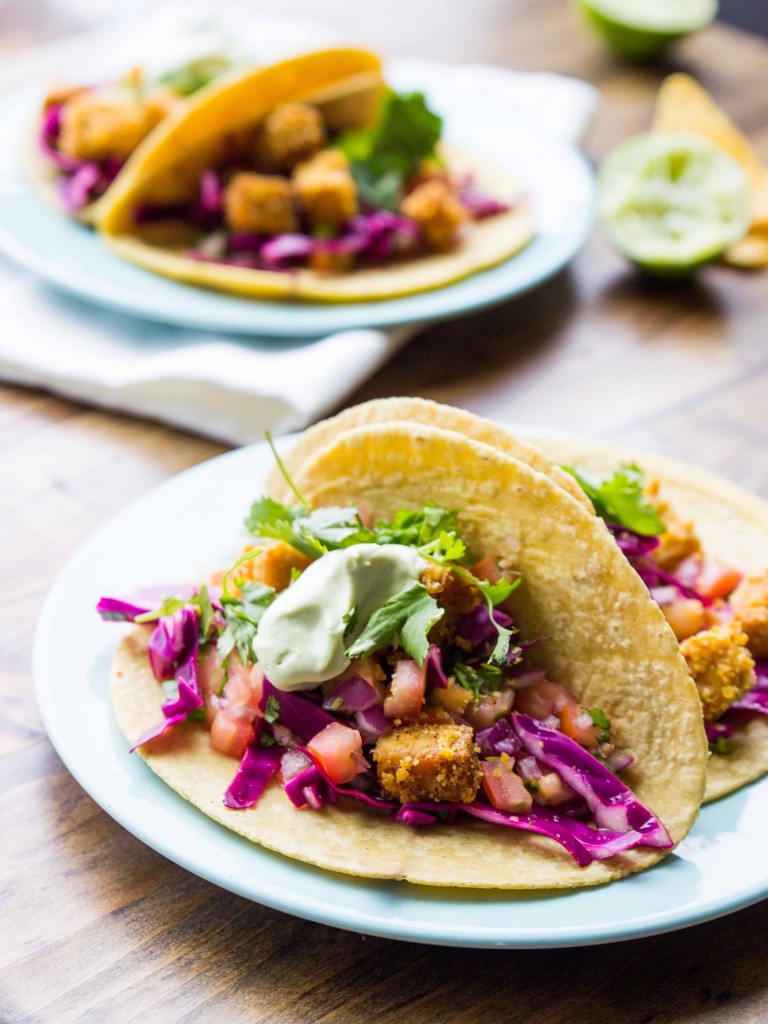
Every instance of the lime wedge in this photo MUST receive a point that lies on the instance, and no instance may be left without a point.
(672, 201)
(642, 29)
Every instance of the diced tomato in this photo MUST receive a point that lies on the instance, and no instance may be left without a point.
(338, 750)
(552, 790)
(487, 569)
(717, 580)
(209, 672)
(542, 699)
(577, 723)
(245, 685)
(231, 734)
(686, 617)
(292, 763)
(406, 690)
(490, 709)
(453, 698)
(504, 789)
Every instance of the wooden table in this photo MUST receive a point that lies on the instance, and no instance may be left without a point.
(96, 927)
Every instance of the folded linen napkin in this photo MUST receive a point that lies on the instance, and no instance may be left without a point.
(226, 387)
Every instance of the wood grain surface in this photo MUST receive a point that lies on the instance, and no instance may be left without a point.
(96, 927)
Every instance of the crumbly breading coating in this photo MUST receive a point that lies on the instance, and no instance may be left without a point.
(750, 605)
(428, 762)
(679, 541)
(721, 666)
(453, 594)
(437, 211)
(260, 203)
(291, 133)
(96, 124)
(325, 189)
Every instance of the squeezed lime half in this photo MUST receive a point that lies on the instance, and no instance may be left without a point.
(642, 29)
(672, 201)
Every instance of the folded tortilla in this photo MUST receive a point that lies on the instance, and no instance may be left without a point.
(183, 146)
(609, 644)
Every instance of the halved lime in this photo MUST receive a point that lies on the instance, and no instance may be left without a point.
(671, 201)
(642, 29)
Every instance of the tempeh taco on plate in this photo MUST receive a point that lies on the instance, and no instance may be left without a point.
(310, 179)
(433, 664)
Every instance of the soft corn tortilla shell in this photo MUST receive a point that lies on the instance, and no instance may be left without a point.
(733, 527)
(612, 648)
(430, 414)
(484, 244)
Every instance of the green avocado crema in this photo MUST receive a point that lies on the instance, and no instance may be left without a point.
(301, 640)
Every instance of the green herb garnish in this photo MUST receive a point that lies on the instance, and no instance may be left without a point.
(720, 746)
(620, 499)
(600, 719)
(272, 709)
(409, 614)
(382, 157)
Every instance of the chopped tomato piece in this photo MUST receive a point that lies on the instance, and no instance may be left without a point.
(577, 723)
(686, 617)
(209, 672)
(504, 789)
(453, 698)
(406, 690)
(490, 709)
(487, 569)
(245, 685)
(338, 750)
(231, 734)
(717, 580)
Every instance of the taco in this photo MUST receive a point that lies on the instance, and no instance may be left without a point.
(85, 134)
(457, 686)
(311, 180)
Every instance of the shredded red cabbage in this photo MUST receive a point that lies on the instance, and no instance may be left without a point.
(372, 723)
(417, 814)
(114, 609)
(717, 731)
(351, 695)
(481, 205)
(84, 180)
(613, 805)
(256, 769)
(436, 677)
(477, 627)
(297, 713)
(498, 739)
(756, 699)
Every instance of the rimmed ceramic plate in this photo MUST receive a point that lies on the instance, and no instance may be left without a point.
(558, 179)
(182, 528)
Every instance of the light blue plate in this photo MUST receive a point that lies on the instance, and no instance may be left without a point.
(720, 867)
(558, 179)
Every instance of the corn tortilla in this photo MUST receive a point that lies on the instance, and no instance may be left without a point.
(611, 647)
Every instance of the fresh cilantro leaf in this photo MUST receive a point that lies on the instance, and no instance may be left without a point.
(311, 531)
(266, 740)
(383, 156)
(336, 704)
(203, 602)
(493, 594)
(196, 715)
(448, 547)
(720, 746)
(349, 621)
(411, 614)
(600, 719)
(242, 616)
(190, 77)
(620, 498)
(272, 709)
(479, 681)
(417, 527)
(168, 607)
(531, 785)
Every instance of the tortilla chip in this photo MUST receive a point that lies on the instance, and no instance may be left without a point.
(613, 649)
(683, 105)
(430, 414)
(733, 527)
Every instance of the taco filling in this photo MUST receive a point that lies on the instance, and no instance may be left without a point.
(718, 614)
(345, 660)
(86, 133)
(298, 190)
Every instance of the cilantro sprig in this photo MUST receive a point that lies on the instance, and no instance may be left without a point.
(620, 499)
(242, 611)
(382, 157)
(409, 614)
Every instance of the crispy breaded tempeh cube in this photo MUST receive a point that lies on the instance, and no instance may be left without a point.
(750, 605)
(260, 203)
(96, 124)
(679, 539)
(721, 667)
(428, 762)
(437, 211)
(290, 134)
(325, 189)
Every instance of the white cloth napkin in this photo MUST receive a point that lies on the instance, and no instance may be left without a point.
(227, 387)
